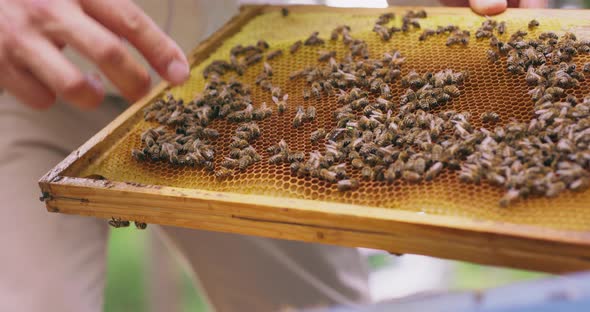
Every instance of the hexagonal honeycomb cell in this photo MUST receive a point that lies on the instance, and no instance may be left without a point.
(489, 88)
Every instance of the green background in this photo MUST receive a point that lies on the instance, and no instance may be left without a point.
(126, 289)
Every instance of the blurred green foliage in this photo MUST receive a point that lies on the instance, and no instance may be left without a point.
(126, 289)
(473, 276)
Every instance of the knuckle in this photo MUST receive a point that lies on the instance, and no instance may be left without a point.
(134, 22)
(41, 10)
(111, 52)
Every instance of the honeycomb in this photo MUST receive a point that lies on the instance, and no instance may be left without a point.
(489, 88)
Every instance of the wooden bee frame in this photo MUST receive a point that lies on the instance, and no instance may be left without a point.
(485, 242)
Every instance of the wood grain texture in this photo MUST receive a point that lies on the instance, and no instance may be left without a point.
(485, 242)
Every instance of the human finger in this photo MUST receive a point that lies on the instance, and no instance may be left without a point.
(103, 48)
(131, 23)
(26, 87)
(49, 65)
(488, 7)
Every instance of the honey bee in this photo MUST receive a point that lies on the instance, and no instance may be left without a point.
(296, 74)
(313, 39)
(223, 173)
(426, 33)
(277, 159)
(493, 56)
(501, 28)
(579, 184)
(239, 143)
(316, 89)
(532, 78)
(383, 32)
(295, 157)
(118, 223)
(455, 40)
(555, 91)
(250, 151)
(385, 18)
(210, 133)
(284, 12)
(317, 135)
(420, 14)
(324, 56)
(415, 24)
(260, 78)
(433, 171)
(229, 163)
(509, 197)
(418, 165)
(244, 162)
(295, 46)
(357, 163)
(281, 104)
(306, 93)
(276, 92)
(138, 154)
(413, 80)
(267, 69)
(554, 189)
(411, 176)
(335, 33)
(482, 33)
(328, 175)
(452, 90)
(253, 59)
(262, 112)
(348, 185)
(368, 173)
(299, 117)
(235, 153)
(262, 45)
(295, 168)
(533, 24)
(251, 128)
(274, 54)
(311, 113)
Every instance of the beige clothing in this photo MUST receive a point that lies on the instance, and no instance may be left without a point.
(54, 262)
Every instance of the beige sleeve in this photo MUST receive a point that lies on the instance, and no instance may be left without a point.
(187, 22)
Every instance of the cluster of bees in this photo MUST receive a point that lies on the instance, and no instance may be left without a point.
(549, 154)
(119, 223)
(455, 35)
(383, 138)
(242, 154)
(409, 22)
(191, 143)
(410, 137)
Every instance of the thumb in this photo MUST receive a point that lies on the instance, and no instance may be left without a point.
(488, 7)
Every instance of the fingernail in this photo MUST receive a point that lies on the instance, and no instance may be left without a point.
(488, 7)
(177, 71)
(95, 82)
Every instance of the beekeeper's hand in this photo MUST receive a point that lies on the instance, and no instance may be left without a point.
(33, 32)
